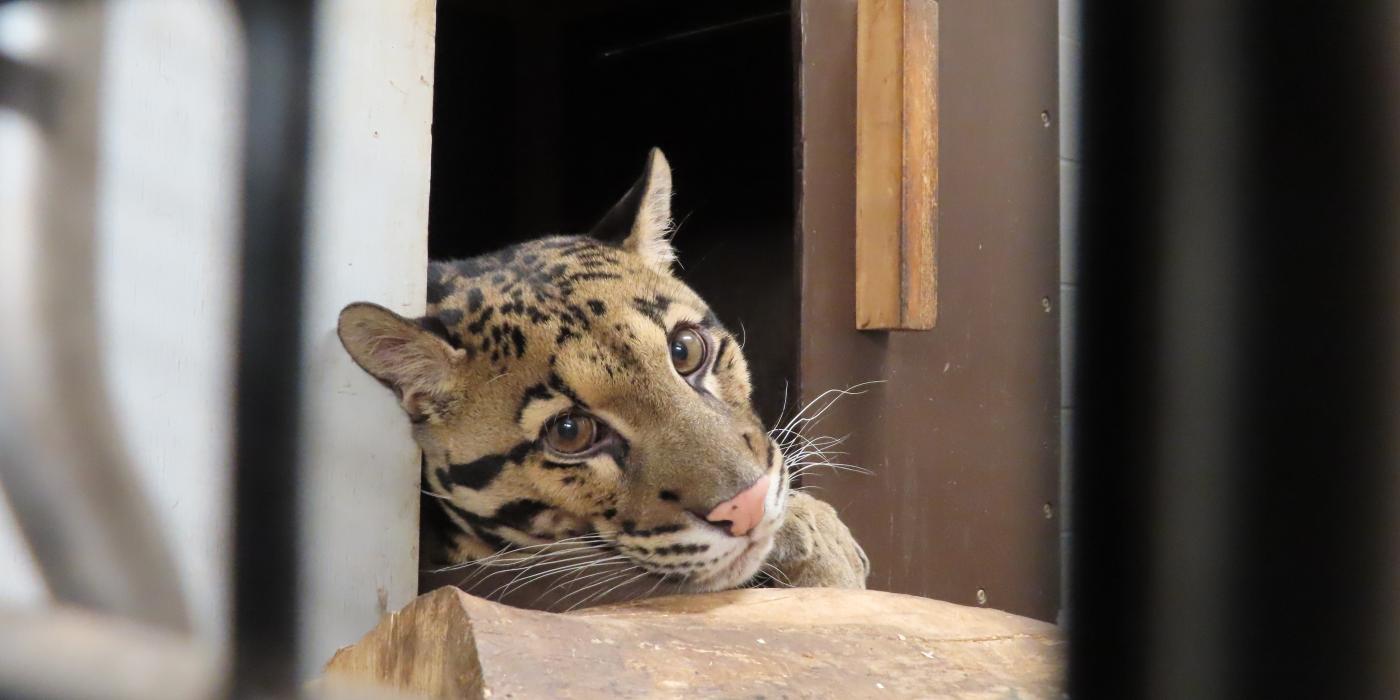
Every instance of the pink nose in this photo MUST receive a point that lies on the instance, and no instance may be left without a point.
(743, 511)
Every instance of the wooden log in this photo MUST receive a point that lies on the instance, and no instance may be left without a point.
(752, 643)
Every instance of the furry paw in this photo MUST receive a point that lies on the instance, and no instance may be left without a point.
(815, 549)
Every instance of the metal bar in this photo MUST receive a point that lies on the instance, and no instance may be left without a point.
(66, 475)
(1237, 397)
(267, 475)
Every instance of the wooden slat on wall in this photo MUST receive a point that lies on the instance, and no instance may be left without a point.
(963, 436)
(896, 164)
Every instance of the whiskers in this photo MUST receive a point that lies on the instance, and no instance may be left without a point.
(515, 553)
(578, 570)
(628, 575)
(803, 453)
(775, 575)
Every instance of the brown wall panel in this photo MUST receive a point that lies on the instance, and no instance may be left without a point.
(963, 436)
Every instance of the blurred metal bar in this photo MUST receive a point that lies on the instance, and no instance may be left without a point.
(267, 473)
(1238, 400)
(68, 654)
(65, 473)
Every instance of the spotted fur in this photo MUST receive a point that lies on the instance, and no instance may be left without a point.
(512, 340)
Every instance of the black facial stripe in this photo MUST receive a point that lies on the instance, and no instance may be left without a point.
(518, 453)
(618, 450)
(630, 528)
(558, 384)
(768, 463)
(551, 464)
(476, 525)
(711, 322)
(538, 392)
(680, 549)
(676, 565)
(719, 354)
(475, 475)
(479, 474)
(518, 514)
(654, 309)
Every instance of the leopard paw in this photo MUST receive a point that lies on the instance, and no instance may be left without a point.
(815, 549)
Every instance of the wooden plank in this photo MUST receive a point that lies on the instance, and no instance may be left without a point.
(919, 272)
(969, 417)
(896, 164)
(367, 240)
(812, 642)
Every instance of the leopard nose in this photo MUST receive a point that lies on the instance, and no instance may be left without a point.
(744, 511)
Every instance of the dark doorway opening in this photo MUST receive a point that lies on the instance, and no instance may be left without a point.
(545, 110)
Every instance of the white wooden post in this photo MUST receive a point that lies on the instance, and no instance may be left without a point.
(368, 240)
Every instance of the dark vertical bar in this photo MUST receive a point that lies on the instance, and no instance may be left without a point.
(1238, 343)
(1115, 338)
(267, 474)
(1321, 305)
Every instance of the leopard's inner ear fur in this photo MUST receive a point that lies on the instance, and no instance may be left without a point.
(418, 365)
(640, 222)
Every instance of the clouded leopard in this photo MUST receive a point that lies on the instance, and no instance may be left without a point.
(586, 426)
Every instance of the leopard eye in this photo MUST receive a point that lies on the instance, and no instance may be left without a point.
(688, 350)
(571, 433)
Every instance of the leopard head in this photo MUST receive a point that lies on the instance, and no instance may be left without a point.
(573, 398)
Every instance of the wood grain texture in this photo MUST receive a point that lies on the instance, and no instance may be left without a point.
(896, 164)
(748, 643)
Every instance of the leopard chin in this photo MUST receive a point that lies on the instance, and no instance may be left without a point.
(737, 571)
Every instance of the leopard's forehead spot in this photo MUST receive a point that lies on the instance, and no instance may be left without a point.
(536, 297)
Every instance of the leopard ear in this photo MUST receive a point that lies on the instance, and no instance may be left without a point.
(418, 365)
(640, 222)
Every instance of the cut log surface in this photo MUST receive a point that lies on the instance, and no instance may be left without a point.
(756, 643)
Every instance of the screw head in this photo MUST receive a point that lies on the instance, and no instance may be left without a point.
(1049, 511)
(1045, 119)
(1046, 304)
(981, 596)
